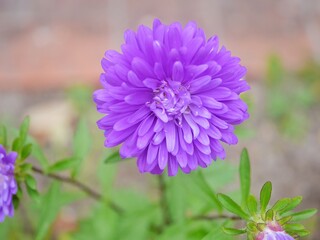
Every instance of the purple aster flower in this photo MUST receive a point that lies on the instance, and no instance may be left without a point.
(273, 231)
(170, 98)
(8, 184)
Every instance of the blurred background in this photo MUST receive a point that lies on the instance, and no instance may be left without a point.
(50, 54)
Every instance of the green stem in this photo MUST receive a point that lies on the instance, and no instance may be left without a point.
(167, 220)
(89, 191)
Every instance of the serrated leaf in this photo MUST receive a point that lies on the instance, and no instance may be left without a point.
(63, 164)
(302, 215)
(252, 205)
(26, 151)
(281, 204)
(113, 157)
(24, 128)
(232, 206)
(234, 231)
(245, 176)
(265, 195)
(31, 182)
(294, 202)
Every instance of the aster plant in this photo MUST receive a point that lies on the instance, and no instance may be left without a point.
(171, 97)
(8, 184)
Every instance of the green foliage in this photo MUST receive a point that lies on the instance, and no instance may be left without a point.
(245, 176)
(265, 195)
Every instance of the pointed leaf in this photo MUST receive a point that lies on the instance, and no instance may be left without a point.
(265, 195)
(234, 231)
(252, 205)
(281, 204)
(245, 176)
(24, 128)
(26, 151)
(292, 205)
(232, 206)
(63, 164)
(113, 157)
(31, 182)
(302, 215)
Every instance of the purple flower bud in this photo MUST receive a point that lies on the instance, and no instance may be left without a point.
(273, 231)
(8, 184)
(171, 97)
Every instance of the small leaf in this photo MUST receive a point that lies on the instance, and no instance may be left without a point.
(232, 206)
(234, 231)
(281, 204)
(15, 201)
(292, 227)
(269, 215)
(24, 128)
(292, 205)
(34, 195)
(302, 233)
(252, 227)
(245, 179)
(113, 157)
(265, 195)
(284, 220)
(26, 151)
(64, 164)
(302, 215)
(31, 182)
(81, 144)
(38, 154)
(26, 167)
(252, 205)
(205, 187)
(16, 145)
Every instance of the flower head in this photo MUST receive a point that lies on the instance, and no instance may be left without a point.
(273, 231)
(8, 184)
(170, 98)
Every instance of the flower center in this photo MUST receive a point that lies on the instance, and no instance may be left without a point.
(172, 98)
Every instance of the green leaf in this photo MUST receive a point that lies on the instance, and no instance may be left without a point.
(234, 231)
(204, 186)
(3, 136)
(38, 154)
(265, 195)
(49, 210)
(81, 145)
(26, 151)
(245, 179)
(281, 204)
(24, 128)
(63, 164)
(15, 201)
(31, 182)
(34, 195)
(292, 205)
(302, 215)
(16, 145)
(292, 227)
(252, 205)
(269, 215)
(113, 157)
(284, 220)
(232, 206)
(26, 167)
